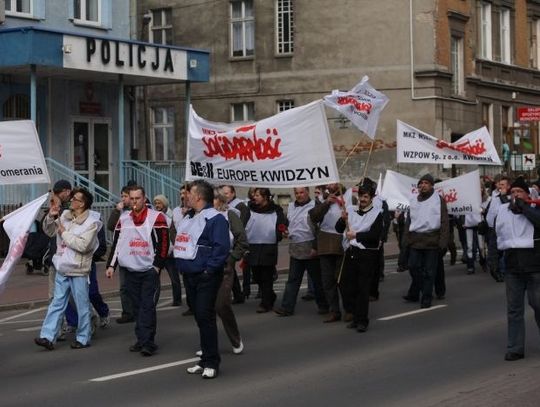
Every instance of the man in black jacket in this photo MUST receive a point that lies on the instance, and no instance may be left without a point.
(518, 235)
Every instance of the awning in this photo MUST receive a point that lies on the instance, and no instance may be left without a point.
(85, 57)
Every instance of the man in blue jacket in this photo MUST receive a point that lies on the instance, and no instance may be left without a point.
(201, 249)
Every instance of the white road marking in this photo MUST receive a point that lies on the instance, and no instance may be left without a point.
(25, 321)
(145, 370)
(32, 328)
(406, 314)
(22, 315)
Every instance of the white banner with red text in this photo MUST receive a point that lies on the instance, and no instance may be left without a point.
(290, 149)
(21, 156)
(462, 194)
(17, 224)
(415, 146)
(362, 105)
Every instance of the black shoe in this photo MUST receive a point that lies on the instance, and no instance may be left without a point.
(323, 311)
(511, 356)
(409, 298)
(352, 325)
(308, 297)
(44, 342)
(470, 271)
(29, 268)
(124, 319)
(441, 297)
(176, 303)
(146, 351)
(187, 313)
(261, 310)
(136, 347)
(282, 313)
(239, 301)
(361, 328)
(425, 304)
(78, 345)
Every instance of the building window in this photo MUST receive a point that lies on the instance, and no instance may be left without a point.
(505, 37)
(487, 117)
(161, 26)
(19, 7)
(242, 28)
(162, 133)
(283, 105)
(16, 107)
(485, 30)
(87, 11)
(243, 112)
(535, 45)
(507, 120)
(456, 61)
(284, 27)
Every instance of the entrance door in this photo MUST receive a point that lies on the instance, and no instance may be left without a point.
(91, 149)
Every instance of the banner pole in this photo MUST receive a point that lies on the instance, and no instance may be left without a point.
(368, 158)
(349, 155)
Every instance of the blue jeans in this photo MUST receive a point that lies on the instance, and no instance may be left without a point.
(423, 268)
(296, 274)
(202, 289)
(63, 287)
(516, 285)
(95, 299)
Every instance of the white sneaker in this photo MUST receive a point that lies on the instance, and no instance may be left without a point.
(198, 353)
(209, 373)
(240, 348)
(195, 369)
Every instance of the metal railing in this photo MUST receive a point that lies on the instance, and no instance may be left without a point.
(175, 170)
(154, 182)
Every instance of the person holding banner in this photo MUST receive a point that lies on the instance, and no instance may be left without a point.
(426, 234)
(76, 241)
(518, 234)
(362, 230)
(329, 247)
(264, 230)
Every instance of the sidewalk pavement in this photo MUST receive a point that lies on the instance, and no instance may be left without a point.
(26, 291)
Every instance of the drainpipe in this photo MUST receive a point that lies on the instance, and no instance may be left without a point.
(121, 130)
(33, 113)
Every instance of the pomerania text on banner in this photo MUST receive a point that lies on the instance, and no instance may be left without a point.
(461, 194)
(21, 156)
(362, 105)
(415, 146)
(292, 148)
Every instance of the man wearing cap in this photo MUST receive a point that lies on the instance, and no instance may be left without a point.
(426, 234)
(518, 235)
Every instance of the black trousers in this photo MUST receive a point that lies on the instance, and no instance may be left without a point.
(264, 277)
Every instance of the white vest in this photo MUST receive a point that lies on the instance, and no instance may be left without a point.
(358, 224)
(329, 221)
(261, 228)
(472, 220)
(493, 208)
(188, 232)
(299, 230)
(65, 258)
(135, 248)
(425, 215)
(514, 231)
(234, 203)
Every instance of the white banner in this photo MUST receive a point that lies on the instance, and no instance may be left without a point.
(362, 105)
(21, 156)
(415, 146)
(462, 194)
(17, 224)
(290, 149)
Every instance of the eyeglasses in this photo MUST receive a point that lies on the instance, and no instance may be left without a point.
(77, 200)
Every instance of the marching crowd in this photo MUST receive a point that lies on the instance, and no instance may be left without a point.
(337, 237)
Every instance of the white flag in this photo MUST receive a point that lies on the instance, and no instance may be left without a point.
(17, 224)
(461, 194)
(362, 105)
(415, 146)
(290, 149)
(21, 156)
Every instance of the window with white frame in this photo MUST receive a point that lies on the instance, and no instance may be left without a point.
(456, 61)
(283, 105)
(507, 119)
(162, 133)
(535, 44)
(87, 11)
(242, 28)
(487, 117)
(21, 8)
(284, 27)
(243, 112)
(485, 31)
(161, 26)
(505, 36)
